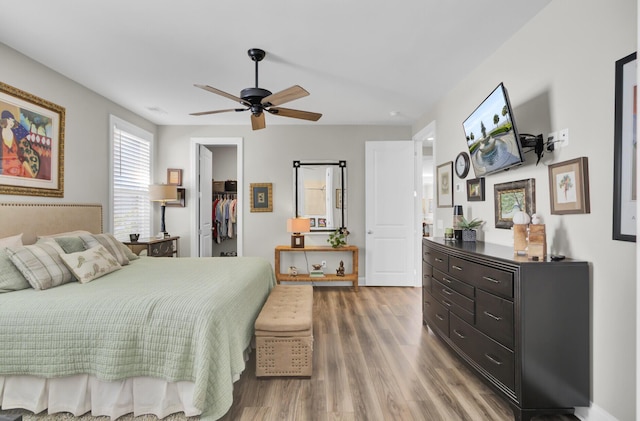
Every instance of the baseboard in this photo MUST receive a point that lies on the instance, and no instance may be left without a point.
(594, 413)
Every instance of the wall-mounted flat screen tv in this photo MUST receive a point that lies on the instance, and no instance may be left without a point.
(492, 137)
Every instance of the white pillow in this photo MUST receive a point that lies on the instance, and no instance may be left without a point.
(76, 233)
(13, 241)
(41, 264)
(90, 264)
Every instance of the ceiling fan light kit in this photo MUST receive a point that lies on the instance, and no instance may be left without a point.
(258, 100)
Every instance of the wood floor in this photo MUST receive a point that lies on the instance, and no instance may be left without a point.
(373, 360)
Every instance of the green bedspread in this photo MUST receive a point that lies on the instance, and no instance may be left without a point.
(177, 319)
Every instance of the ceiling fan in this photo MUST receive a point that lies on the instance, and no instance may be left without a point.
(258, 100)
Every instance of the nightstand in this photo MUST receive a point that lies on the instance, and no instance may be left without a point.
(155, 247)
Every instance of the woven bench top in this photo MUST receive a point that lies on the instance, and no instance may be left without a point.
(289, 308)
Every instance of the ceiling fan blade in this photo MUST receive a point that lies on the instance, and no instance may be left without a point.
(219, 111)
(257, 121)
(287, 112)
(224, 94)
(286, 95)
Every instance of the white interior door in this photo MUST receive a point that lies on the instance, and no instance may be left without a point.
(390, 208)
(205, 170)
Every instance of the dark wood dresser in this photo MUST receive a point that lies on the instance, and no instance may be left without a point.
(521, 325)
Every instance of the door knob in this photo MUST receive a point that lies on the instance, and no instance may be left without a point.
(369, 232)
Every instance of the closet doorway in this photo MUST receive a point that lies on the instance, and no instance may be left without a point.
(227, 165)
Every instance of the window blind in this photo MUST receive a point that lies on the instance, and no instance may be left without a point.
(131, 179)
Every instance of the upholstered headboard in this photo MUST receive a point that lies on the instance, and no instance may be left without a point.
(33, 219)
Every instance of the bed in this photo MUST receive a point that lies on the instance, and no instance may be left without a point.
(158, 335)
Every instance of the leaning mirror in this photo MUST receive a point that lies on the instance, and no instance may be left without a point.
(320, 193)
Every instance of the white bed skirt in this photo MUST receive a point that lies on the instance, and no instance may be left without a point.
(84, 393)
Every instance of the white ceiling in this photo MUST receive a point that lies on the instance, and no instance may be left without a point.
(361, 61)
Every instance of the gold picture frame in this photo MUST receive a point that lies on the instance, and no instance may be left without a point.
(261, 197)
(444, 182)
(32, 136)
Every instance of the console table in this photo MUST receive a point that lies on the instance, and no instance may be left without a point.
(522, 326)
(328, 277)
(156, 247)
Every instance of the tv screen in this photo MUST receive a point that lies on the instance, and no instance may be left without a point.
(492, 137)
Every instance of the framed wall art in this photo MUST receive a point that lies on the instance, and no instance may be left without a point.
(261, 199)
(625, 166)
(444, 182)
(569, 187)
(174, 176)
(32, 140)
(513, 197)
(475, 190)
(180, 201)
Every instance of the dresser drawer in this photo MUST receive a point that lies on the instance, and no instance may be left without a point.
(497, 360)
(437, 314)
(491, 279)
(454, 302)
(427, 271)
(495, 317)
(436, 259)
(163, 249)
(462, 287)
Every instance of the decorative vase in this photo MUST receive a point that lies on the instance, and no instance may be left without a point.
(468, 235)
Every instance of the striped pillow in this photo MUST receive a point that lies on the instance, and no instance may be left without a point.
(41, 264)
(109, 242)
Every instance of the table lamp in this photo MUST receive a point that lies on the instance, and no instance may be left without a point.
(296, 226)
(163, 193)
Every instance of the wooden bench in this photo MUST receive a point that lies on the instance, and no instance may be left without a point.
(284, 332)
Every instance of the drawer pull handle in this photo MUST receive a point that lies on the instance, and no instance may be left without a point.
(446, 280)
(458, 334)
(446, 291)
(456, 267)
(439, 317)
(495, 281)
(447, 303)
(494, 317)
(439, 260)
(493, 360)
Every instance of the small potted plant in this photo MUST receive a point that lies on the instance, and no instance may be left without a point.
(469, 227)
(338, 238)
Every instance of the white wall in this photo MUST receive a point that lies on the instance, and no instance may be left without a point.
(559, 70)
(268, 158)
(86, 148)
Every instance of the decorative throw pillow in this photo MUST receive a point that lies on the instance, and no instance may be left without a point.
(109, 242)
(41, 264)
(90, 264)
(127, 251)
(13, 241)
(10, 277)
(68, 244)
(75, 233)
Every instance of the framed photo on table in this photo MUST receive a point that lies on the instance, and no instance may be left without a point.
(444, 183)
(569, 187)
(625, 165)
(32, 143)
(513, 197)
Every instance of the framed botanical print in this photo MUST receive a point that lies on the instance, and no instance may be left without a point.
(261, 199)
(444, 183)
(32, 140)
(569, 186)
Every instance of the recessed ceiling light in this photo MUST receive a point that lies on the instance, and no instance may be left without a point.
(157, 110)
(394, 113)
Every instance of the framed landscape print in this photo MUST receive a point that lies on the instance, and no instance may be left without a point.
(625, 166)
(513, 197)
(444, 184)
(569, 186)
(32, 140)
(261, 199)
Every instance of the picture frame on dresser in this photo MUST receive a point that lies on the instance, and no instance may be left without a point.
(569, 187)
(511, 197)
(37, 127)
(444, 183)
(625, 166)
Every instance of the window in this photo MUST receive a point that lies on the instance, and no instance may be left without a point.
(131, 169)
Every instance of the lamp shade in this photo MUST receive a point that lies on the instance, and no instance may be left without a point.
(163, 192)
(298, 225)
